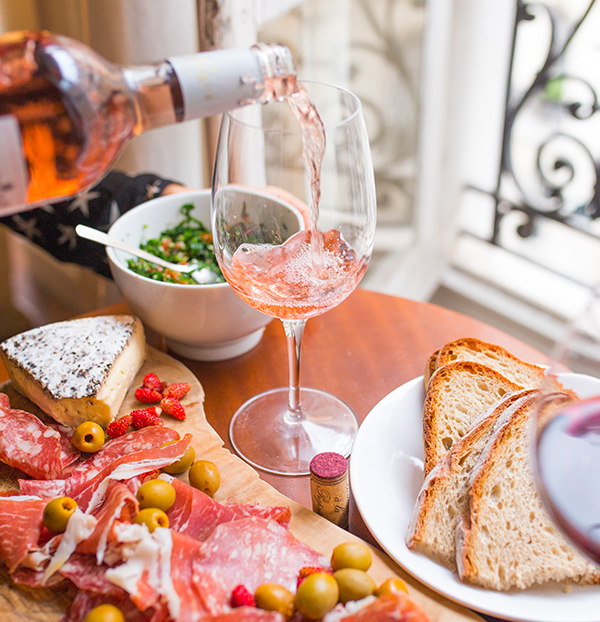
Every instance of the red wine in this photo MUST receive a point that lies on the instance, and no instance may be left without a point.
(568, 464)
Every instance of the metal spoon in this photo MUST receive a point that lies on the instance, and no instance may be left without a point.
(204, 276)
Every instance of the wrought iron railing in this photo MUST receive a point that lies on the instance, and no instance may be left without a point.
(564, 159)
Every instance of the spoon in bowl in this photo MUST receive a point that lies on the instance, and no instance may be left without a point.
(204, 276)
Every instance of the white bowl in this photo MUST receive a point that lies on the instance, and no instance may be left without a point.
(200, 322)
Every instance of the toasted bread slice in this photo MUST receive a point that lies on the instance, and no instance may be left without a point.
(494, 356)
(458, 394)
(430, 368)
(507, 539)
(444, 496)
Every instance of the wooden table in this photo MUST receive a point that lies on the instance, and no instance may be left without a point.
(359, 351)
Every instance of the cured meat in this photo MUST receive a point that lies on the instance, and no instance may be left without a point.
(246, 614)
(119, 505)
(196, 514)
(250, 551)
(389, 608)
(89, 576)
(196, 578)
(31, 446)
(85, 601)
(46, 489)
(114, 449)
(89, 493)
(20, 528)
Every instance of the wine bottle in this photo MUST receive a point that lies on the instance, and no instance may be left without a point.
(66, 112)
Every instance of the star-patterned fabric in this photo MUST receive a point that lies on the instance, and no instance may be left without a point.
(53, 226)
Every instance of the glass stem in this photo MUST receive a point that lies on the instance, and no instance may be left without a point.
(294, 329)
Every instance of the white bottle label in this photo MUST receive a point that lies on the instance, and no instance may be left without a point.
(13, 170)
(213, 82)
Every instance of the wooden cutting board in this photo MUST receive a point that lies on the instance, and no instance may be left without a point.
(239, 483)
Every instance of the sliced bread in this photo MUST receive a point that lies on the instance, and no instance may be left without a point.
(458, 394)
(494, 356)
(444, 496)
(507, 539)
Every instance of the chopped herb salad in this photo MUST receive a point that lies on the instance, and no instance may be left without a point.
(189, 242)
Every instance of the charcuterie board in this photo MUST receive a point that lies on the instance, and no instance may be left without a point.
(239, 483)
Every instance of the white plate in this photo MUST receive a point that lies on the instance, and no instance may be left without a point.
(386, 473)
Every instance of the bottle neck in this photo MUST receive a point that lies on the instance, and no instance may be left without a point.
(209, 83)
(156, 96)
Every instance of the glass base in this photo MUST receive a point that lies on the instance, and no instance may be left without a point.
(262, 434)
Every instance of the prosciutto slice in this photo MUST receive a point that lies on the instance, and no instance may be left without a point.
(115, 449)
(196, 514)
(389, 608)
(250, 551)
(89, 493)
(196, 578)
(21, 524)
(31, 446)
(119, 505)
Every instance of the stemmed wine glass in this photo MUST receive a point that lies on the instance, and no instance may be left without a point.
(567, 448)
(293, 218)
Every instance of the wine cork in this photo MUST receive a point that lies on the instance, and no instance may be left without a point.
(329, 487)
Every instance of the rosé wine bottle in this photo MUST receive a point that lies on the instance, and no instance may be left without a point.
(66, 112)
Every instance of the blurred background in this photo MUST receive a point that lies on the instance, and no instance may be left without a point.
(483, 123)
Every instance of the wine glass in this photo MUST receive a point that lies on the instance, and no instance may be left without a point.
(567, 448)
(293, 218)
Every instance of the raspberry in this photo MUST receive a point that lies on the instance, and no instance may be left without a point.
(145, 417)
(308, 570)
(177, 390)
(152, 381)
(119, 426)
(173, 407)
(147, 396)
(241, 597)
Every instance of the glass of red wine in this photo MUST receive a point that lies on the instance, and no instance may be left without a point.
(293, 219)
(567, 456)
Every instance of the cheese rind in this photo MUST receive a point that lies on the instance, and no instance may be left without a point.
(77, 370)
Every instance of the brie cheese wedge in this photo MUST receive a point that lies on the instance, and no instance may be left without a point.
(78, 370)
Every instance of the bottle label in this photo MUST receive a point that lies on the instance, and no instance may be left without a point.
(214, 82)
(13, 170)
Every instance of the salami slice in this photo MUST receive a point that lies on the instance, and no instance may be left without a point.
(31, 446)
(196, 514)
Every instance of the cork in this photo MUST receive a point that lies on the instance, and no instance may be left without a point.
(329, 487)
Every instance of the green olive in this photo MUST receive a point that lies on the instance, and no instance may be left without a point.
(58, 512)
(156, 493)
(105, 613)
(393, 585)
(152, 518)
(316, 595)
(353, 584)
(273, 597)
(351, 555)
(204, 475)
(183, 464)
(88, 437)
